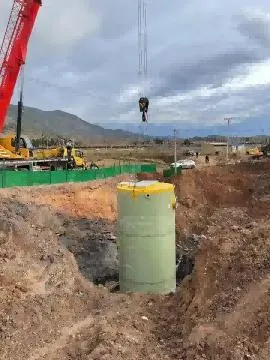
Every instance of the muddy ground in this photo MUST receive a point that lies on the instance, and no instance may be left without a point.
(50, 237)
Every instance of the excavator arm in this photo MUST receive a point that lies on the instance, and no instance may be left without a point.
(14, 49)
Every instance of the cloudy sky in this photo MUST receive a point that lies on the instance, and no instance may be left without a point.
(207, 60)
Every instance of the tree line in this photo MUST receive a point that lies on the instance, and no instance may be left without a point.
(44, 142)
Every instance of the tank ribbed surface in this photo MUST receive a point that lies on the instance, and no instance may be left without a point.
(146, 237)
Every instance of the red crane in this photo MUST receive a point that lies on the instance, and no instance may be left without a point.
(14, 48)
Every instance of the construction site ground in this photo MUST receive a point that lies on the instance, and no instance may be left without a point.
(58, 259)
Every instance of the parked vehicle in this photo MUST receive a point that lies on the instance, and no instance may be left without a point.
(184, 164)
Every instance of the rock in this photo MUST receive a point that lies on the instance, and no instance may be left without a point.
(187, 202)
(245, 232)
(145, 318)
(251, 225)
(21, 287)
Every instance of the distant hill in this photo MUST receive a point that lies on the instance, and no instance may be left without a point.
(59, 123)
(244, 128)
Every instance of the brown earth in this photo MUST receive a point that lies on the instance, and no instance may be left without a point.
(88, 200)
(221, 311)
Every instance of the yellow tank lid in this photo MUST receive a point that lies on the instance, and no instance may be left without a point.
(145, 187)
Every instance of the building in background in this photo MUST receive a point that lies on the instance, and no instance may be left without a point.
(240, 149)
(215, 148)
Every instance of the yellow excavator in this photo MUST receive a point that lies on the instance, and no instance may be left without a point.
(255, 152)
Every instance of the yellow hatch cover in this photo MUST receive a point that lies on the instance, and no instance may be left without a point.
(145, 187)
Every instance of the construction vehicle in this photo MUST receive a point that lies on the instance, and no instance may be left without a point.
(255, 152)
(17, 151)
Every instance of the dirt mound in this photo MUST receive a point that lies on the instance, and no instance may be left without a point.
(93, 200)
(48, 309)
(38, 277)
(83, 216)
(222, 310)
(201, 191)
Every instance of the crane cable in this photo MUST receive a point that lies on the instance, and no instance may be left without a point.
(143, 57)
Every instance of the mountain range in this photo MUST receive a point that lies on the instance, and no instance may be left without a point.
(37, 123)
(245, 128)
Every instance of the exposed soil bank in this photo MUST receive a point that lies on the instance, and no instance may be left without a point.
(50, 311)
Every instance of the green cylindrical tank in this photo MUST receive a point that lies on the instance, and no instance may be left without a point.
(146, 237)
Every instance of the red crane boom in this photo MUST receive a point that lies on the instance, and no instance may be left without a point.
(14, 48)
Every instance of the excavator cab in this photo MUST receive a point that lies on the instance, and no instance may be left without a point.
(75, 156)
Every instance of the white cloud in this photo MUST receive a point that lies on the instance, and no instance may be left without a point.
(132, 93)
(258, 75)
(192, 106)
(252, 13)
(60, 24)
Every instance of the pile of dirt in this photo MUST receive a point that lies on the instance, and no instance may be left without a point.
(91, 200)
(222, 310)
(49, 310)
(200, 192)
(41, 288)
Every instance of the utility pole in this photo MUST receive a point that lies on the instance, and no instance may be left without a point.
(175, 151)
(228, 119)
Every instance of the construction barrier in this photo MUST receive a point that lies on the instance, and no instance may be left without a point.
(33, 178)
(171, 172)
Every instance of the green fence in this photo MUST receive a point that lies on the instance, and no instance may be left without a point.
(33, 178)
(171, 172)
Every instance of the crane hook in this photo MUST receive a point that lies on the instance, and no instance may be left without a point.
(143, 105)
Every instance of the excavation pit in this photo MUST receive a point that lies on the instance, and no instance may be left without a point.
(48, 304)
(95, 250)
